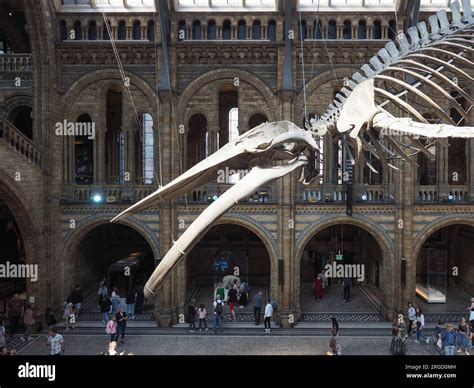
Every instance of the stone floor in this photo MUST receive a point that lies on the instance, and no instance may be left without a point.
(334, 300)
(225, 345)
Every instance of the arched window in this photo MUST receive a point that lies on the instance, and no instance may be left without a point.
(211, 30)
(271, 31)
(77, 30)
(346, 30)
(257, 119)
(318, 29)
(197, 29)
(362, 30)
(257, 30)
(21, 118)
(84, 151)
(148, 155)
(377, 30)
(136, 30)
(122, 31)
(114, 137)
(150, 32)
(332, 30)
(63, 30)
(92, 32)
(105, 33)
(302, 30)
(228, 99)
(241, 30)
(392, 29)
(226, 30)
(196, 140)
(182, 29)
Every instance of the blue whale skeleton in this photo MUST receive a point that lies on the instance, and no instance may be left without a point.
(435, 56)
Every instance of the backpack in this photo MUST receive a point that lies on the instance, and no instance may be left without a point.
(451, 338)
(218, 309)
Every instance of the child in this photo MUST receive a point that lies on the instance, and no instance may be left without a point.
(202, 316)
(111, 328)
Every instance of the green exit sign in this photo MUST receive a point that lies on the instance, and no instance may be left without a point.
(338, 257)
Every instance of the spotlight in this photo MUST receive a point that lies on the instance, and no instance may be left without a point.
(214, 197)
(450, 198)
(97, 198)
(364, 197)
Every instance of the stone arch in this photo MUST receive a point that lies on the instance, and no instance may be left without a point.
(25, 217)
(190, 113)
(105, 75)
(222, 74)
(439, 223)
(315, 83)
(383, 239)
(17, 99)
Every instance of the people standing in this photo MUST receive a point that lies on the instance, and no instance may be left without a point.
(232, 299)
(411, 317)
(192, 316)
(28, 322)
(139, 299)
(105, 305)
(121, 319)
(420, 323)
(244, 292)
(448, 339)
(257, 307)
(130, 302)
(335, 324)
(55, 342)
(318, 287)
(220, 291)
(346, 287)
(218, 309)
(77, 299)
(111, 328)
(115, 301)
(267, 318)
(14, 313)
(202, 313)
(334, 344)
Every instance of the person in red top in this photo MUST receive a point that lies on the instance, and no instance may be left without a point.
(318, 288)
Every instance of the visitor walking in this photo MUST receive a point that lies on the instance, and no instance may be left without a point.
(202, 313)
(77, 299)
(218, 309)
(105, 305)
(232, 299)
(318, 287)
(420, 323)
(464, 336)
(115, 301)
(139, 299)
(334, 344)
(267, 318)
(28, 322)
(111, 328)
(69, 317)
(55, 342)
(103, 291)
(192, 316)
(411, 317)
(130, 303)
(448, 338)
(244, 294)
(257, 307)
(14, 313)
(346, 287)
(121, 319)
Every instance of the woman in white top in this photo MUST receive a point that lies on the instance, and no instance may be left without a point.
(268, 317)
(420, 323)
(411, 317)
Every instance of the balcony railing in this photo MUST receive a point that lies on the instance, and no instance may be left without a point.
(211, 192)
(337, 193)
(442, 193)
(126, 193)
(14, 63)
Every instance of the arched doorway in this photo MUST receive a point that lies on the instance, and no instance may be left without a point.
(342, 250)
(22, 119)
(445, 269)
(115, 252)
(13, 252)
(227, 250)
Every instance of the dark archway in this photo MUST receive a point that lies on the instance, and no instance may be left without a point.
(21, 117)
(257, 119)
(445, 269)
(227, 250)
(348, 245)
(196, 140)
